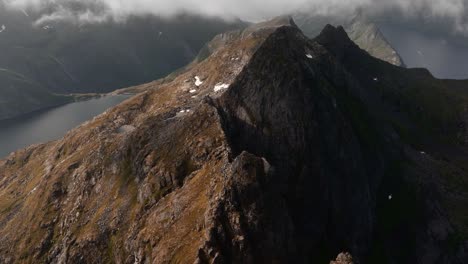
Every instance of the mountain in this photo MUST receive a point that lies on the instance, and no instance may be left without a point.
(270, 148)
(65, 57)
(363, 31)
(20, 95)
(402, 42)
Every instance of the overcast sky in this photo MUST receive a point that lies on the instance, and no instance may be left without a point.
(451, 12)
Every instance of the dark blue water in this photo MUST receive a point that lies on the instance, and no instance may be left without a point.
(442, 55)
(51, 124)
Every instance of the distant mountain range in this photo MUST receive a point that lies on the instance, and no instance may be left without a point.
(38, 62)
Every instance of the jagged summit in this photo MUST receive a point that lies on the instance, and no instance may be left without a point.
(336, 35)
(265, 151)
(336, 39)
(365, 33)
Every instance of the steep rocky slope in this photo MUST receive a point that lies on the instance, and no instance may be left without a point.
(273, 149)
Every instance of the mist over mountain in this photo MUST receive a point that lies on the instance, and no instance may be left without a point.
(441, 26)
(446, 14)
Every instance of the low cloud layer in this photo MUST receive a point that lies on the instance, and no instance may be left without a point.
(451, 12)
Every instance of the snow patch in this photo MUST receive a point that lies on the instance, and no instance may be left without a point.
(309, 56)
(198, 82)
(183, 111)
(193, 91)
(2, 28)
(390, 197)
(376, 79)
(220, 86)
(33, 190)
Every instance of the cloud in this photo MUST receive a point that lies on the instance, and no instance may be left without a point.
(452, 12)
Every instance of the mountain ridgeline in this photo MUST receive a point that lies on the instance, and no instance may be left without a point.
(270, 148)
(361, 30)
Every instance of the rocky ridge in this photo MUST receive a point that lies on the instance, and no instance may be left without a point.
(272, 148)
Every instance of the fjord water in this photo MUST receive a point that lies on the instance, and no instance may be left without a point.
(50, 124)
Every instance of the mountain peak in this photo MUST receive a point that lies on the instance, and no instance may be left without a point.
(336, 41)
(253, 155)
(331, 34)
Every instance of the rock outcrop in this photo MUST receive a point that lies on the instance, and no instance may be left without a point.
(343, 258)
(273, 149)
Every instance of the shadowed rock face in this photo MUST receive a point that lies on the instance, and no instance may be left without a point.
(281, 108)
(306, 151)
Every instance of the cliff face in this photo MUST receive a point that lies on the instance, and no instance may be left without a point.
(273, 149)
(292, 119)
